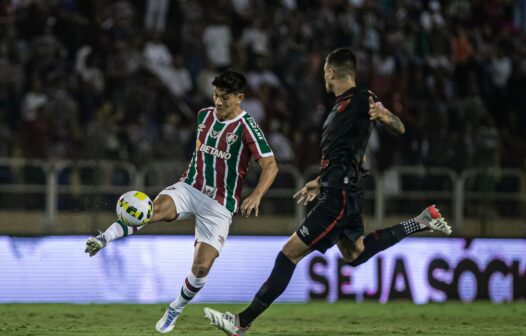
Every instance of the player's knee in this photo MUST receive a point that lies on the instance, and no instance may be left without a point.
(200, 270)
(291, 254)
(294, 249)
(350, 257)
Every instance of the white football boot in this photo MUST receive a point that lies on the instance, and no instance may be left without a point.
(430, 219)
(167, 322)
(226, 321)
(95, 244)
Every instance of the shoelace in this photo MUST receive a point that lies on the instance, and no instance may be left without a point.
(171, 315)
(441, 224)
(230, 318)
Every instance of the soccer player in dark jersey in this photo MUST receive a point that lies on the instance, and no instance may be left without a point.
(210, 189)
(337, 216)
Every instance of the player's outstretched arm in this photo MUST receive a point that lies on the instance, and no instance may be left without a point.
(377, 111)
(269, 170)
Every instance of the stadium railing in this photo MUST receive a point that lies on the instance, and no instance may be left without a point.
(38, 191)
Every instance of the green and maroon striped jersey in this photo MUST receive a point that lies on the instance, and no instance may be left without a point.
(223, 150)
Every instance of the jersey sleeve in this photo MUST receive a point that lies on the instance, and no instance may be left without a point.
(202, 113)
(255, 140)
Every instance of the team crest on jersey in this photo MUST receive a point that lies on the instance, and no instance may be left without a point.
(214, 134)
(231, 138)
(343, 105)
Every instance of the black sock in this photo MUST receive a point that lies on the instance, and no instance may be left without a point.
(377, 241)
(275, 285)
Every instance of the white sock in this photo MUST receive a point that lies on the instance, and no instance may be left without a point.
(190, 288)
(118, 230)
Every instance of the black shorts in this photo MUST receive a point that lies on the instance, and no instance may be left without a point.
(336, 211)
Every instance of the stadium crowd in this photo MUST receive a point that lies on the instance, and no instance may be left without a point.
(123, 79)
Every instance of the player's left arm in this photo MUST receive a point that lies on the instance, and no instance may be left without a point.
(377, 111)
(269, 170)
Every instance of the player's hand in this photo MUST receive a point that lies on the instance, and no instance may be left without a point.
(251, 203)
(376, 110)
(308, 193)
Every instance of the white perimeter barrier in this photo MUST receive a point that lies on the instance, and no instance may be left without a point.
(150, 269)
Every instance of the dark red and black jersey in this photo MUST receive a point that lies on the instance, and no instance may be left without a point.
(345, 135)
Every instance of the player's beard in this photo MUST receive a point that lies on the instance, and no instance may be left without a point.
(328, 88)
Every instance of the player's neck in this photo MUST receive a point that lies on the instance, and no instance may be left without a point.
(342, 86)
(236, 112)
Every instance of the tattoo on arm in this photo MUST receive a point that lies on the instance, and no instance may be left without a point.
(394, 123)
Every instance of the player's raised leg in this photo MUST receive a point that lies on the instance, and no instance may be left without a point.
(356, 252)
(164, 209)
(204, 258)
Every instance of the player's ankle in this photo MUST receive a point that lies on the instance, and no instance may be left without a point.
(412, 226)
(419, 223)
(242, 323)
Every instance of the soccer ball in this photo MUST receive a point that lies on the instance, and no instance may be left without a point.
(134, 208)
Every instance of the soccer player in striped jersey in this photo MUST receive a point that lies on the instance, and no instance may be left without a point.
(210, 188)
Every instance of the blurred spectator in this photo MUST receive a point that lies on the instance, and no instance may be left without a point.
(174, 137)
(6, 138)
(519, 16)
(123, 61)
(156, 15)
(47, 51)
(33, 101)
(92, 82)
(63, 115)
(310, 93)
(307, 148)
(500, 70)
(217, 38)
(261, 74)
(254, 40)
(204, 85)
(103, 136)
(281, 144)
(141, 136)
(36, 137)
(253, 105)
(11, 82)
(120, 25)
(169, 70)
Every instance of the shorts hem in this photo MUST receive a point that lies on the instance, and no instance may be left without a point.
(218, 247)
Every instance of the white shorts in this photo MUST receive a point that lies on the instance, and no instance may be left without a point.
(212, 220)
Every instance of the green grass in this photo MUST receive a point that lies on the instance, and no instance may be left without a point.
(281, 319)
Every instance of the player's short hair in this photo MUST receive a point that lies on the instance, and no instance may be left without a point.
(343, 61)
(230, 81)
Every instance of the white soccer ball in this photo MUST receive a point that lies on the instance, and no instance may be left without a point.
(134, 208)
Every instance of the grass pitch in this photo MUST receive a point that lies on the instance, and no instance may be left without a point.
(311, 319)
